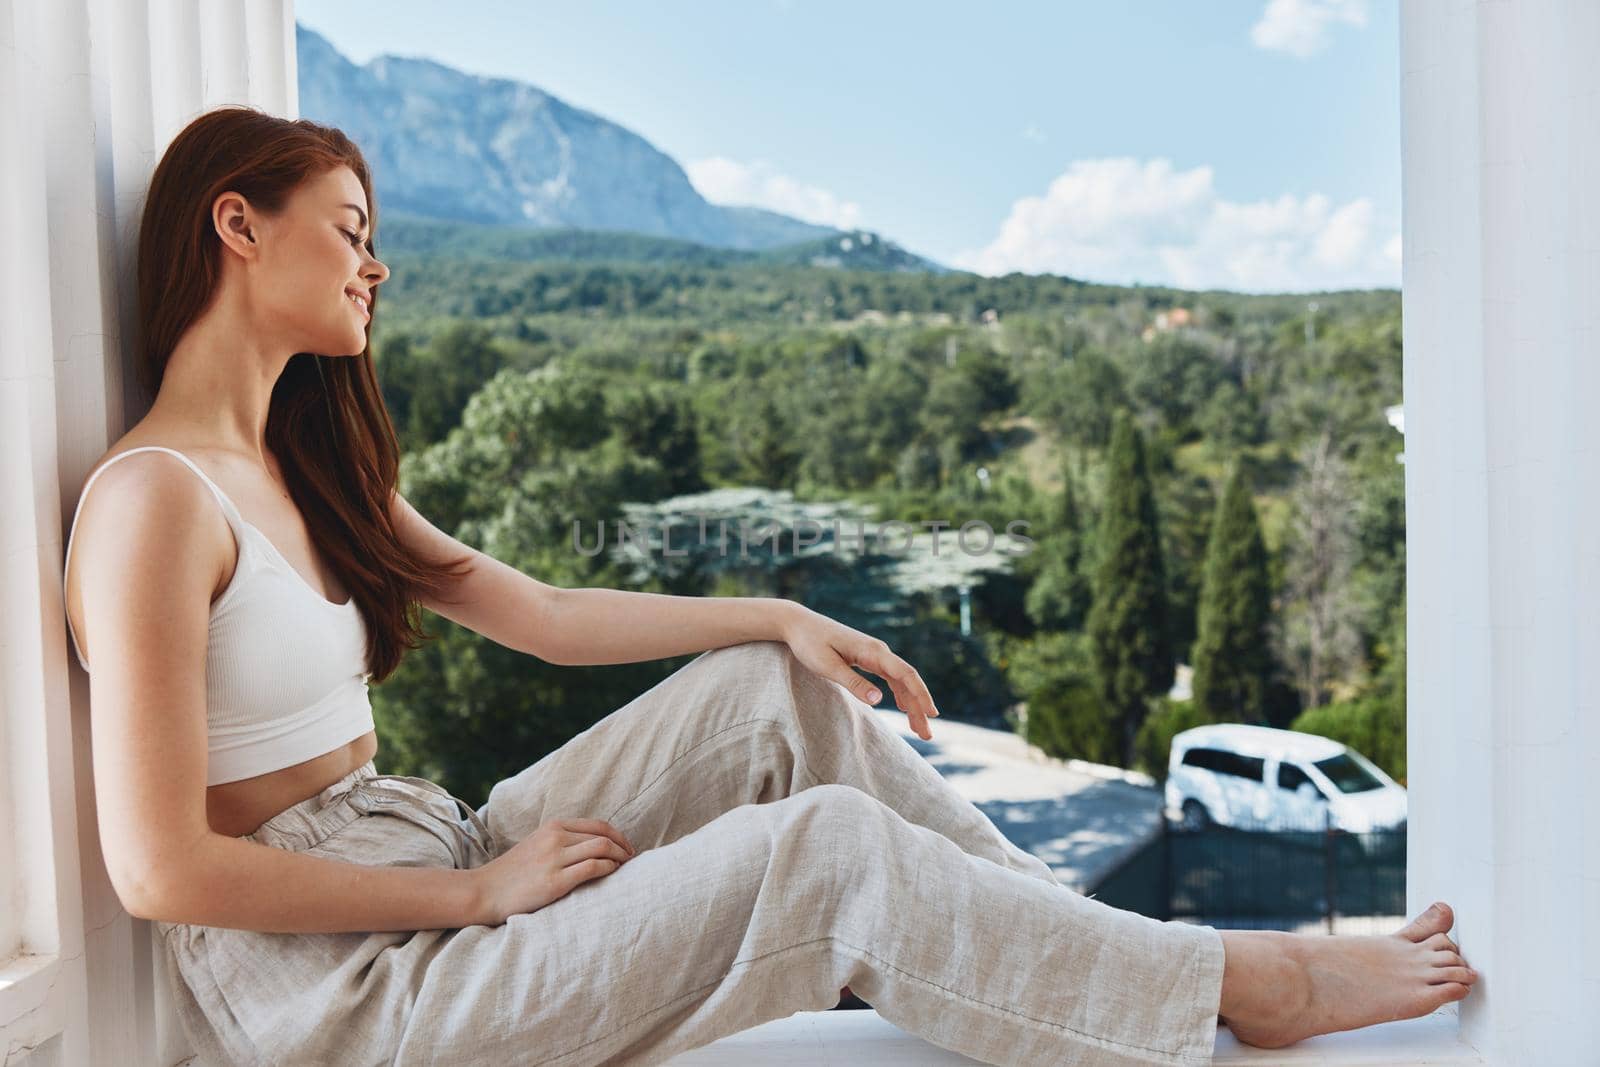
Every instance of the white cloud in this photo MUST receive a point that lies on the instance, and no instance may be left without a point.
(1301, 27)
(759, 184)
(1123, 220)
(1346, 236)
(1392, 249)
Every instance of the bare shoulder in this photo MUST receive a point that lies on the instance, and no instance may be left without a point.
(146, 523)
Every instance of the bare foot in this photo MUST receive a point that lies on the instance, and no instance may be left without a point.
(1278, 988)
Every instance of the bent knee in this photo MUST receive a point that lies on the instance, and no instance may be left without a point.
(754, 654)
(801, 693)
(837, 817)
(835, 833)
(774, 661)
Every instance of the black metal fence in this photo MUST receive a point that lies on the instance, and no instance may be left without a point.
(1230, 877)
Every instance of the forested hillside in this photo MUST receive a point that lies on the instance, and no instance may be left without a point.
(531, 396)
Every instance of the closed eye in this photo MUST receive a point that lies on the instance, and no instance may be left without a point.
(355, 239)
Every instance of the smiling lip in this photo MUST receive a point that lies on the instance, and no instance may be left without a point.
(366, 313)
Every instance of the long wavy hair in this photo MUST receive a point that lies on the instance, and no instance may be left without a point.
(327, 424)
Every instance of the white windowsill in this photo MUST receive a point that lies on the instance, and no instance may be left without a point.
(26, 983)
(866, 1038)
(1429, 1039)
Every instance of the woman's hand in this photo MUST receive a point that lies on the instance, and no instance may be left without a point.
(831, 649)
(547, 865)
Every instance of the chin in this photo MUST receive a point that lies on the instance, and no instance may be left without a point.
(339, 350)
(349, 346)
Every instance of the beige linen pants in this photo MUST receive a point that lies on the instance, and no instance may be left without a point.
(789, 845)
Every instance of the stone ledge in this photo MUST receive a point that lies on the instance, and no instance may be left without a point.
(843, 1038)
(864, 1037)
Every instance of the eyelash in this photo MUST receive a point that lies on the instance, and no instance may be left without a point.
(354, 238)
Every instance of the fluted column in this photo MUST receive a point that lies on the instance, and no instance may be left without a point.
(90, 93)
(1501, 165)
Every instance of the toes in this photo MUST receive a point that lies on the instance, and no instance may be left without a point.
(1441, 943)
(1436, 920)
(1438, 996)
(1463, 975)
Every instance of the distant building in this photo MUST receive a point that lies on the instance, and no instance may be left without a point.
(1168, 320)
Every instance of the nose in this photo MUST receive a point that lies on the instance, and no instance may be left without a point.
(378, 272)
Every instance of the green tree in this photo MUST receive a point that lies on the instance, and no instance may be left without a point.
(426, 390)
(1317, 623)
(988, 376)
(1168, 719)
(1060, 596)
(754, 442)
(1054, 674)
(1128, 625)
(1076, 396)
(1185, 506)
(1173, 377)
(657, 421)
(1374, 724)
(534, 455)
(1232, 658)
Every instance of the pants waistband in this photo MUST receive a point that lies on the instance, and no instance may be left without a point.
(313, 820)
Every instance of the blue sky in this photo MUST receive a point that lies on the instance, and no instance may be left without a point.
(1241, 144)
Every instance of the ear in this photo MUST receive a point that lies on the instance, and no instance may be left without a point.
(235, 224)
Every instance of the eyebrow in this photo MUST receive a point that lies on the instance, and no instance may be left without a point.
(358, 211)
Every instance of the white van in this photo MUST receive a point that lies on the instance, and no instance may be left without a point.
(1260, 778)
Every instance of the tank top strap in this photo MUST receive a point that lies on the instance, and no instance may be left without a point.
(231, 513)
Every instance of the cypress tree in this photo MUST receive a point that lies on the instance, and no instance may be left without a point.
(1060, 596)
(1232, 657)
(1128, 625)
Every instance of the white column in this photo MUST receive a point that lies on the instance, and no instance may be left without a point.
(1501, 164)
(90, 93)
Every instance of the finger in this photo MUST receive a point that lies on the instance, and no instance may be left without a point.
(916, 713)
(911, 693)
(599, 826)
(859, 687)
(910, 689)
(587, 871)
(593, 847)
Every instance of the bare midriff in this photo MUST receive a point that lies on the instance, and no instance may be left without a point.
(236, 809)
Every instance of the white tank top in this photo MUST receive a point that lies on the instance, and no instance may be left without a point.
(286, 673)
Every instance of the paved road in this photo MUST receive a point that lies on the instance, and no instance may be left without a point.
(1080, 818)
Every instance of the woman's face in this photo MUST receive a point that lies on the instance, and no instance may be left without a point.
(313, 261)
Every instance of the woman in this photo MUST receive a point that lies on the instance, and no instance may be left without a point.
(733, 846)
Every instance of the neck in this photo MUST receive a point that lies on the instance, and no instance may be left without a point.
(218, 383)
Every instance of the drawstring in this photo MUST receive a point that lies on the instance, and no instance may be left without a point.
(373, 785)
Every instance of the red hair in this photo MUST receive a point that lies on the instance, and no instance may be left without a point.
(326, 424)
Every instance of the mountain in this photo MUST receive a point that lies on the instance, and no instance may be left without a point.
(853, 250)
(444, 144)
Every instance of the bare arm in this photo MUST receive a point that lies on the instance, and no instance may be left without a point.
(150, 550)
(248, 886)
(588, 626)
(584, 626)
